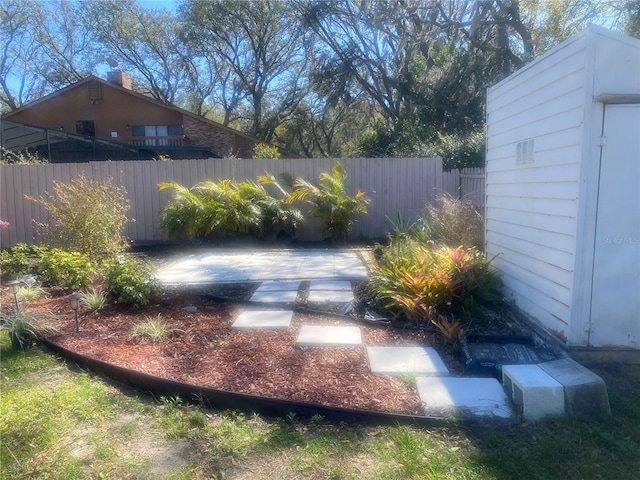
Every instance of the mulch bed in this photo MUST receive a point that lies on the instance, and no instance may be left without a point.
(202, 349)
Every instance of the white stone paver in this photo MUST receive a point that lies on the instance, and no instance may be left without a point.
(329, 285)
(423, 361)
(274, 296)
(280, 286)
(329, 296)
(328, 335)
(444, 396)
(251, 265)
(263, 319)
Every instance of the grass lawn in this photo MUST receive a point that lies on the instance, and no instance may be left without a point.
(59, 422)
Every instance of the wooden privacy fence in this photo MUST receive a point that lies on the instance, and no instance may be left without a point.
(466, 184)
(396, 186)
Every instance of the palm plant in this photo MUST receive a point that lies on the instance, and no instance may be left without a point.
(277, 214)
(330, 203)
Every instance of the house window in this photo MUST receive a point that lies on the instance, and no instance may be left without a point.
(86, 127)
(161, 131)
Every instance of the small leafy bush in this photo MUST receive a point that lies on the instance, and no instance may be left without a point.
(455, 223)
(335, 208)
(21, 158)
(264, 151)
(69, 270)
(17, 260)
(131, 281)
(153, 328)
(86, 216)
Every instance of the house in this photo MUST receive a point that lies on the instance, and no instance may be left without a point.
(94, 119)
(562, 189)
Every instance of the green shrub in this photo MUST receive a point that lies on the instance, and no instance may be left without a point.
(131, 281)
(264, 151)
(86, 216)
(330, 203)
(17, 260)
(21, 158)
(455, 223)
(69, 270)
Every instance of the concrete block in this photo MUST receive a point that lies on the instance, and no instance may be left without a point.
(534, 392)
(585, 393)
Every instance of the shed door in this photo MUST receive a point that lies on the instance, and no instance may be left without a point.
(615, 307)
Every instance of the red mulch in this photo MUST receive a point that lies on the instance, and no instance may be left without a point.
(202, 349)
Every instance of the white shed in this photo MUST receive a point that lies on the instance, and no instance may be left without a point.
(563, 188)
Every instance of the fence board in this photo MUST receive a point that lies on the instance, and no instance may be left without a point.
(395, 186)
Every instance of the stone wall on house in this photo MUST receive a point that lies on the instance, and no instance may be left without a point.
(222, 143)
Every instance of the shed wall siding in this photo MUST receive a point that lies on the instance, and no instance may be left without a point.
(532, 207)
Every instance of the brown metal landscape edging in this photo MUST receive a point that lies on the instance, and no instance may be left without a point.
(225, 400)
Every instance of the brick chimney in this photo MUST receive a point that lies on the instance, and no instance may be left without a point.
(119, 78)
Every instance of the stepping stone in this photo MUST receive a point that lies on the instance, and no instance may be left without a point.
(330, 292)
(327, 336)
(286, 296)
(451, 396)
(423, 361)
(329, 296)
(332, 285)
(263, 319)
(278, 286)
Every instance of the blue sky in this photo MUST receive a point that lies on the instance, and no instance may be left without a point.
(170, 5)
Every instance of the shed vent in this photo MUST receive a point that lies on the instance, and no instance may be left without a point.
(95, 90)
(524, 152)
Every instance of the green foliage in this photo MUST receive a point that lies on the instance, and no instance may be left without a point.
(330, 203)
(152, 328)
(210, 209)
(86, 216)
(454, 222)
(131, 281)
(264, 151)
(451, 330)
(30, 292)
(461, 150)
(17, 260)
(69, 270)
(24, 328)
(427, 283)
(94, 299)
(276, 213)
(20, 158)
